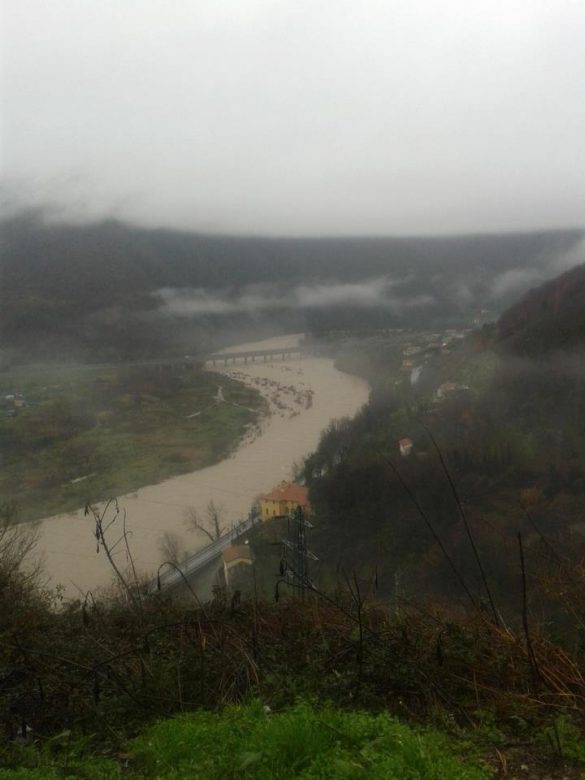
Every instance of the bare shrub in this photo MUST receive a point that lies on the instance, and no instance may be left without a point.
(17, 546)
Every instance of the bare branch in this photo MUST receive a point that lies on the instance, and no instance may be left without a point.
(212, 529)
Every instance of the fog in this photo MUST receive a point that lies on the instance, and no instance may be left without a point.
(515, 281)
(371, 293)
(299, 118)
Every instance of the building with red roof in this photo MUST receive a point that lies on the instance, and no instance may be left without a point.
(284, 499)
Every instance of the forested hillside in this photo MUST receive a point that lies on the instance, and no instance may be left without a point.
(109, 291)
(496, 448)
(552, 317)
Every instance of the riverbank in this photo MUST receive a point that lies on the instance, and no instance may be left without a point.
(265, 457)
(69, 435)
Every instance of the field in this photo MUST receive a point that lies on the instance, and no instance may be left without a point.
(80, 435)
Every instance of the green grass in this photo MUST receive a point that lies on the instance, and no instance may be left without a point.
(300, 743)
(81, 769)
(127, 427)
(303, 742)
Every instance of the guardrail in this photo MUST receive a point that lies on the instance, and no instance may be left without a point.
(201, 558)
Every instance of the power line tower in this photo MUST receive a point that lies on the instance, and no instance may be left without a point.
(294, 563)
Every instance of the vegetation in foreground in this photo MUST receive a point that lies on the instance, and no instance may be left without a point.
(82, 681)
(99, 433)
(249, 742)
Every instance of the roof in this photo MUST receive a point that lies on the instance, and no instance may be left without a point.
(289, 491)
(237, 551)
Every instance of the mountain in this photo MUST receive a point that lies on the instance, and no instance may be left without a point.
(108, 290)
(548, 318)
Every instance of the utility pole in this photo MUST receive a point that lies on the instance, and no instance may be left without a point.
(294, 564)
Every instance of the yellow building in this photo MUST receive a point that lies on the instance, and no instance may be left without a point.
(283, 500)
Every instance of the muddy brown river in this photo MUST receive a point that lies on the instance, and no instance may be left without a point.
(305, 395)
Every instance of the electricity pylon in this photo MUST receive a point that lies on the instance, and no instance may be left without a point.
(294, 563)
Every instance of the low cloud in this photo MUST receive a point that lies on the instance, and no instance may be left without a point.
(567, 260)
(191, 303)
(380, 292)
(515, 281)
(462, 293)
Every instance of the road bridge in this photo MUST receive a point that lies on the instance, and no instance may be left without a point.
(201, 569)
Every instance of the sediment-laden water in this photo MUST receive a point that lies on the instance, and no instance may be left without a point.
(305, 395)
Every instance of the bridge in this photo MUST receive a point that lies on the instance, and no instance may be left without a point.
(196, 359)
(201, 569)
(264, 354)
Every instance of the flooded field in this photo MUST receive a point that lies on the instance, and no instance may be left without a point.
(304, 396)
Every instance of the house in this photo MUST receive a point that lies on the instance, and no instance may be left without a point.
(283, 500)
(236, 562)
(234, 556)
(406, 446)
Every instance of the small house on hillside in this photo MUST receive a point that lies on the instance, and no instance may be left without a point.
(237, 561)
(405, 444)
(283, 500)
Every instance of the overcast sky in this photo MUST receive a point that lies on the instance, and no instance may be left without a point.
(298, 116)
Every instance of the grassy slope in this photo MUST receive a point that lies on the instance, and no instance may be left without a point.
(128, 427)
(302, 742)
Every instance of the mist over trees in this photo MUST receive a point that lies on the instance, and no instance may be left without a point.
(108, 291)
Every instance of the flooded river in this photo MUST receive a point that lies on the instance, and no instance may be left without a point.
(304, 395)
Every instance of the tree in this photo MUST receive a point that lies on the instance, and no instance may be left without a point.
(171, 547)
(17, 546)
(212, 527)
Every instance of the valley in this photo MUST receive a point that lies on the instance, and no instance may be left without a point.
(303, 397)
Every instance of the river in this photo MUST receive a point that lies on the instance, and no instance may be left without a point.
(305, 395)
